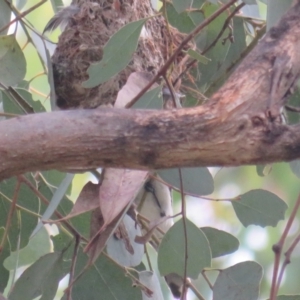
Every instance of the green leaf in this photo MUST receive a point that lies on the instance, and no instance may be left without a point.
(196, 55)
(183, 21)
(263, 170)
(117, 54)
(103, 280)
(57, 5)
(41, 278)
(182, 5)
(5, 14)
(275, 10)
(27, 104)
(295, 167)
(171, 250)
(54, 202)
(12, 61)
(218, 53)
(38, 246)
(240, 281)
(5, 252)
(23, 222)
(259, 207)
(150, 100)
(196, 181)
(220, 242)
(249, 2)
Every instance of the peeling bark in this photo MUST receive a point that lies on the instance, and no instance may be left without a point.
(240, 124)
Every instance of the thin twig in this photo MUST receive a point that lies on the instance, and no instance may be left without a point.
(277, 248)
(46, 201)
(21, 15)
(73, 264)
(183, 212)
(195, 291)
(213, 43)
(286, 261)
(178, 50)
(292, 108)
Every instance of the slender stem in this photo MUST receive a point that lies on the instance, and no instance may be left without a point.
(178, 50)
(277, 248)
(21, 15)
(45, 200)
(72, 269)
(213, 43)
(183, 212)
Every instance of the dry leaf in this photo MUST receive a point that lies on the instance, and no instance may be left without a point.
(87, 200)
(119, 187)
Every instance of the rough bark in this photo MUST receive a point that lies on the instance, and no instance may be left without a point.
(241, 123)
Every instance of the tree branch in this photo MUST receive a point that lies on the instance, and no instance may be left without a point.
(240, 124)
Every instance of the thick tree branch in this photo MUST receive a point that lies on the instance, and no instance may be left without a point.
(239, 125)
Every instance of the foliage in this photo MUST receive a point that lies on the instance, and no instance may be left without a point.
(44, 236)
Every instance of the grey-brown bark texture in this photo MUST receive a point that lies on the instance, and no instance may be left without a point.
(240, 124)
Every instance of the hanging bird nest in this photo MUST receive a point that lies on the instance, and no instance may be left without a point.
(90, 24)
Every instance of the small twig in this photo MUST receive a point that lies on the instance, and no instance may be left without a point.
(190, 36)
(8, 115)
(73, 264)
(195, 291)
(226, 23)
(21, 15)
(286, 261)
(206, 279)
(148, 258)
(46, 201)
(277, 248)
(292, 108)
(183, 212)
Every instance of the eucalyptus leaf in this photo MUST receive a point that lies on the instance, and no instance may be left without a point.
(240, 281)
(117, 53)
(56, 5)
(195, 55)
(250, 2)
(41, 278)
(23, 223)
(5, 252)
(171, 258)
(182, 5)
(220, 242)
(38, 246)
(55, 201)
(12, 61)
(5, 14)
(104, 279)
(295, 167)
(275, 10)
(259, 207)
(150, 100)
(183, 21)
(196, 181)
